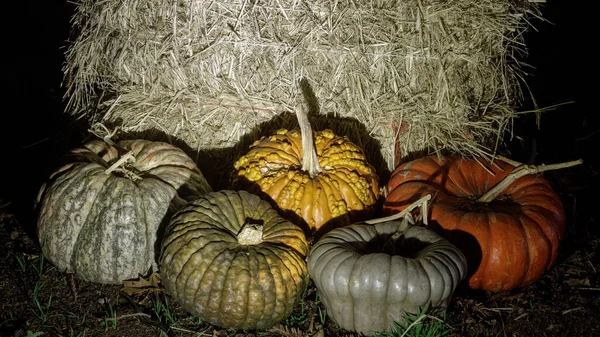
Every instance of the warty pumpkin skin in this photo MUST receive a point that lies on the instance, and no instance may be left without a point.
(103, 227)
(227, 278)
(274, 165)
(366, 288)
(514, 239)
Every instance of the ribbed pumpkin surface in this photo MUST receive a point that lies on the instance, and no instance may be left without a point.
(104, 227)
(511, 241)
(367, 282)
(347, 183)
(218, 275)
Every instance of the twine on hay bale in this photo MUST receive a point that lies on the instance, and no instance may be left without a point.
(431, 74)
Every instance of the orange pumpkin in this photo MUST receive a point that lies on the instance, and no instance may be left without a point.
(510, 241)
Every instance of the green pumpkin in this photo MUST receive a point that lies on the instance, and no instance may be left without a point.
(102, 222)
(231, 259)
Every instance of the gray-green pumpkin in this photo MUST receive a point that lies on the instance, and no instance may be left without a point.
(367, 281)
(231, 259)
(101, 213)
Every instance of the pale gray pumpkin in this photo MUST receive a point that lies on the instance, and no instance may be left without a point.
(368, 282)
(102, 224)
(231, 259)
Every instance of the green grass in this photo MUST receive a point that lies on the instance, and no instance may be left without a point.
(163, 311)
(322, 312)
(110, 318)
(420, 325)
(41, 310)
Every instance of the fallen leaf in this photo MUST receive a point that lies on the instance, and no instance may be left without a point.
(140, 285)
(573, 282)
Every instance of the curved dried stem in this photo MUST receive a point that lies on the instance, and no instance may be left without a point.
(310, 160)
(124, 158)
(520, 171)
(419, 203)
(101, 131)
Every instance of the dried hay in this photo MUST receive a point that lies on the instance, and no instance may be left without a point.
(436, 75)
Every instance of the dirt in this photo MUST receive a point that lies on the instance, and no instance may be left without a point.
(36, 299)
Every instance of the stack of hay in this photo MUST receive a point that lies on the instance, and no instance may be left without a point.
(427, 75)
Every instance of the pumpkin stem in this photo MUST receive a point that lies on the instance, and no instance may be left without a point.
(101, 131)
(520, 171)
(407, 218)
(419, 203)
(124, 158)
(250, 234)
(310, 161)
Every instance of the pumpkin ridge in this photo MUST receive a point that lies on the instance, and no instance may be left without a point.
(175, 170)
(204, 287)
(224, 258)
(448, 283)
(503, 224)
(254, 210)
(109, 235)
(484, 244)
(547, 237)
(285, 280)
(265, 286)
(337, 206)
(224, 218)
(278, 183)
(326, 276)
(190, 227)
(529, 256)
(285, 246)
(209, 211)
(230, 212)
(347, 191)
(66, 184)
(436, 292)
(272, 219)
(346, 290)
(250, 314)
(387, 289)
(293, 261)
(450, 256)
(242, 214)
(155, 203)
(237, 269)
(317, 255)
(296, 278)
(557, 226)
(187, 267)
(86, 226)
(268, 149)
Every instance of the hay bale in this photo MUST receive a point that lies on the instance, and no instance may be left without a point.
(431, 74)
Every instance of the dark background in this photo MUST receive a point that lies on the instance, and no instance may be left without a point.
(34, 132)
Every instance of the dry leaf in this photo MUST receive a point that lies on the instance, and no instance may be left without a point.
(286, 331)
(320, 333)
(140, 285)
(573, 282)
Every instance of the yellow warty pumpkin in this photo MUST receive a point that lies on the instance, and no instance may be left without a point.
(344, 181)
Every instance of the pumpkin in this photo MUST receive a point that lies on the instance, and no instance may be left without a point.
(318, 184)
(368, 280)
(510, 241)
(231, 259)
(101, 213)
